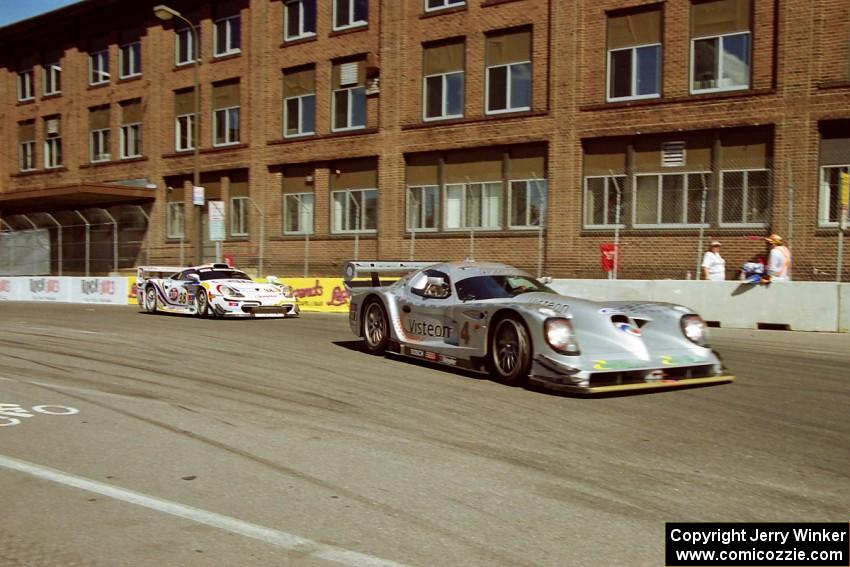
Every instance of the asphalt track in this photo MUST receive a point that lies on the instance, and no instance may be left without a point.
(278, 442)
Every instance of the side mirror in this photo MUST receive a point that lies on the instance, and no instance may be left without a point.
(545, 280)
(271, 279)
(193, 278)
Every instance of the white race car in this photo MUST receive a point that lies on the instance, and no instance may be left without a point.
(212, 289)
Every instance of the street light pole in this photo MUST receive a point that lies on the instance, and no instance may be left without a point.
(166, 13)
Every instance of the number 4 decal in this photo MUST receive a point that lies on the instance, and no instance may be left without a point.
(464, 333)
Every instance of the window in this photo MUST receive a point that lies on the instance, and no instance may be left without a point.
(528, 203)
(185, 48)
(431, 5)
(473, 206)
(720, 45)
(443, 81)
(600, 201)
(745, 197)
(509, 72)
(669, 198)
(299, 103)
(300, 19)
(174, 220)
(829, 211)
(634, 55)
(239, 216)
(131, 140)
(53, 152)
(350, 13)
(99, 67)
(226, 126)
(51, 74)
(422, 208)
(298, 213)
(25, 90)
(355, 210)
(227, 38)
(130, 60)
(26, 155)
(349, 96)
(185, 132)
(99, 145)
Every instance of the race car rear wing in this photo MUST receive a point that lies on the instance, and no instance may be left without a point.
(145, 272)
(354, 270)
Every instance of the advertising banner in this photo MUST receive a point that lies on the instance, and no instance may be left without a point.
(319, 294)
(45, 289)
(99, 290)
(9, 289)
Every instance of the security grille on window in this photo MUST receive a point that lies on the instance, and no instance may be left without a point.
(634, 55)
(720, 45)
(509, 72)
(745, 197)
(299, 103)
(99, 67)
(99, 134)
(184, 120)
(131, 59)
(299, 19)
(226, 114)
(349, 96)
(51, 73)
(25, 90)
(669, 198)
(473, 206)
(422, 208)
(431, 5)
(601, 196)
(443, 81)
(227, 39)
(527, 203)
(355, 210)
(185, 49)
(350, 13)
(298, 213)
(239, 216)
(26, 145)
(174, 219)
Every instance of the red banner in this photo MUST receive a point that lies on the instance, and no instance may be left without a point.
(610, 254)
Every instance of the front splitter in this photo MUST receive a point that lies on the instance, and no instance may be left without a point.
(648, 385)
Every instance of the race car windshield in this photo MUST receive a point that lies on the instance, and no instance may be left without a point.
(497, 287)
(223, 275)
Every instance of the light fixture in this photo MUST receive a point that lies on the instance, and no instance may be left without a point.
(165, 13)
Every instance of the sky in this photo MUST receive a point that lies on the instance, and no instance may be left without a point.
(12, 11)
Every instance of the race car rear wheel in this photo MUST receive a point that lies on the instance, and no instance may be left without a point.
(510, 351)
(202, 304)
(376, 327)
(150, 299)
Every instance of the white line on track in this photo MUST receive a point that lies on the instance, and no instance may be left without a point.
(278, 538)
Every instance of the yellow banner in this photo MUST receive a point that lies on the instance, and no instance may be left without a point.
(845, 190)
(318, 294)
(131, 291)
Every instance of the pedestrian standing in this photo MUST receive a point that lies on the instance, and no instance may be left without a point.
(778, 260)
(713, 264)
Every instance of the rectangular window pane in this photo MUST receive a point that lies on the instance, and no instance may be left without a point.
(361, 10)
(233, 123)
(672, 198)
(537, 202)
(293, 19)
(370, 210)
(358, 107)
(521, 85)
(343, 13)
(648, 72)
(519, 203)
(733, 196)
(695, 198)
(434, 96)
(341, 109)
(705, 63)
(454, 94)
(758, 192)
(736, 61)
(454, 206)
(646, 200)
(621, 74)
(497, 88)
(292, 112)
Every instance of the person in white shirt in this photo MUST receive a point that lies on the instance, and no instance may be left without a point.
(713, 264)
(779, 260)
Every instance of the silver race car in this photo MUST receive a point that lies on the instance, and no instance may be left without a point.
(494, 318)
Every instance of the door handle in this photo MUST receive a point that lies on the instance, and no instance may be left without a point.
(405, 308)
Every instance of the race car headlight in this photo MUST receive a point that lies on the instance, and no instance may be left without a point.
(228, 291)
(694, 328)
(561, 336)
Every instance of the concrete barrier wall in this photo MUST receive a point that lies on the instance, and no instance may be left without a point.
(799, 306)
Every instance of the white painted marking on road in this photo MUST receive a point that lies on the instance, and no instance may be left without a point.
(278, 538)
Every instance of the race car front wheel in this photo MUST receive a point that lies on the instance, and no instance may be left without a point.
(376, 327)
(510, 351)
(202, 304)
(150, 299)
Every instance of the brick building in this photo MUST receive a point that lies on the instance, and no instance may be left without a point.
(527, 131)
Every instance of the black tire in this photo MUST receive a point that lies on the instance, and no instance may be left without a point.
(150, 299)
(510, 351)
(376, 327)
(202, 304)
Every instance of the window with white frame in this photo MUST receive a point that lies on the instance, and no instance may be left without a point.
(634, 54)
(174, 220)
(130, 60)
(299, 102)
(299, 19)
(829, 203)
(355, 210)
(51, 74)
(99, 145)
(26, 155)
(443, 81)
(721, 63)
(25, 87)
(601, 201)
(226, 126)
(349, 97)
(99, 67)
(473, 206)
(432, 5)
(350, 13)
(131, 140)
(508, 80)
(239, 216)
(527, 203)
(745, 197)
(227, 39)
(184, 134)
(423, 208)
(298, 213)
(53, 152)
(186, 51)
(669, 199)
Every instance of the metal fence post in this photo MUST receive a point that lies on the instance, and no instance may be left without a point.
(616, 266)
(114, 240)
(698, 271)
(262, 235)
(357, 225)
(790, 214)
(88, 239)
(147, 234)
(58, 240)
(11, 247)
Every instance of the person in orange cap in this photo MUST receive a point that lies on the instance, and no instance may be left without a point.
(778, 260)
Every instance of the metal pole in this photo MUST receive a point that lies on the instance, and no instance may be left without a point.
(262, 234)
(32, 224)
(539, 230)
(147, 234)
(412, 252)
(790, 214)
(615, 269)
(114, 240)
(301, 210)
(58, 240)
(357, 225)
(11, 247)
(196, 146)
(88, 240)
(698, 271)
